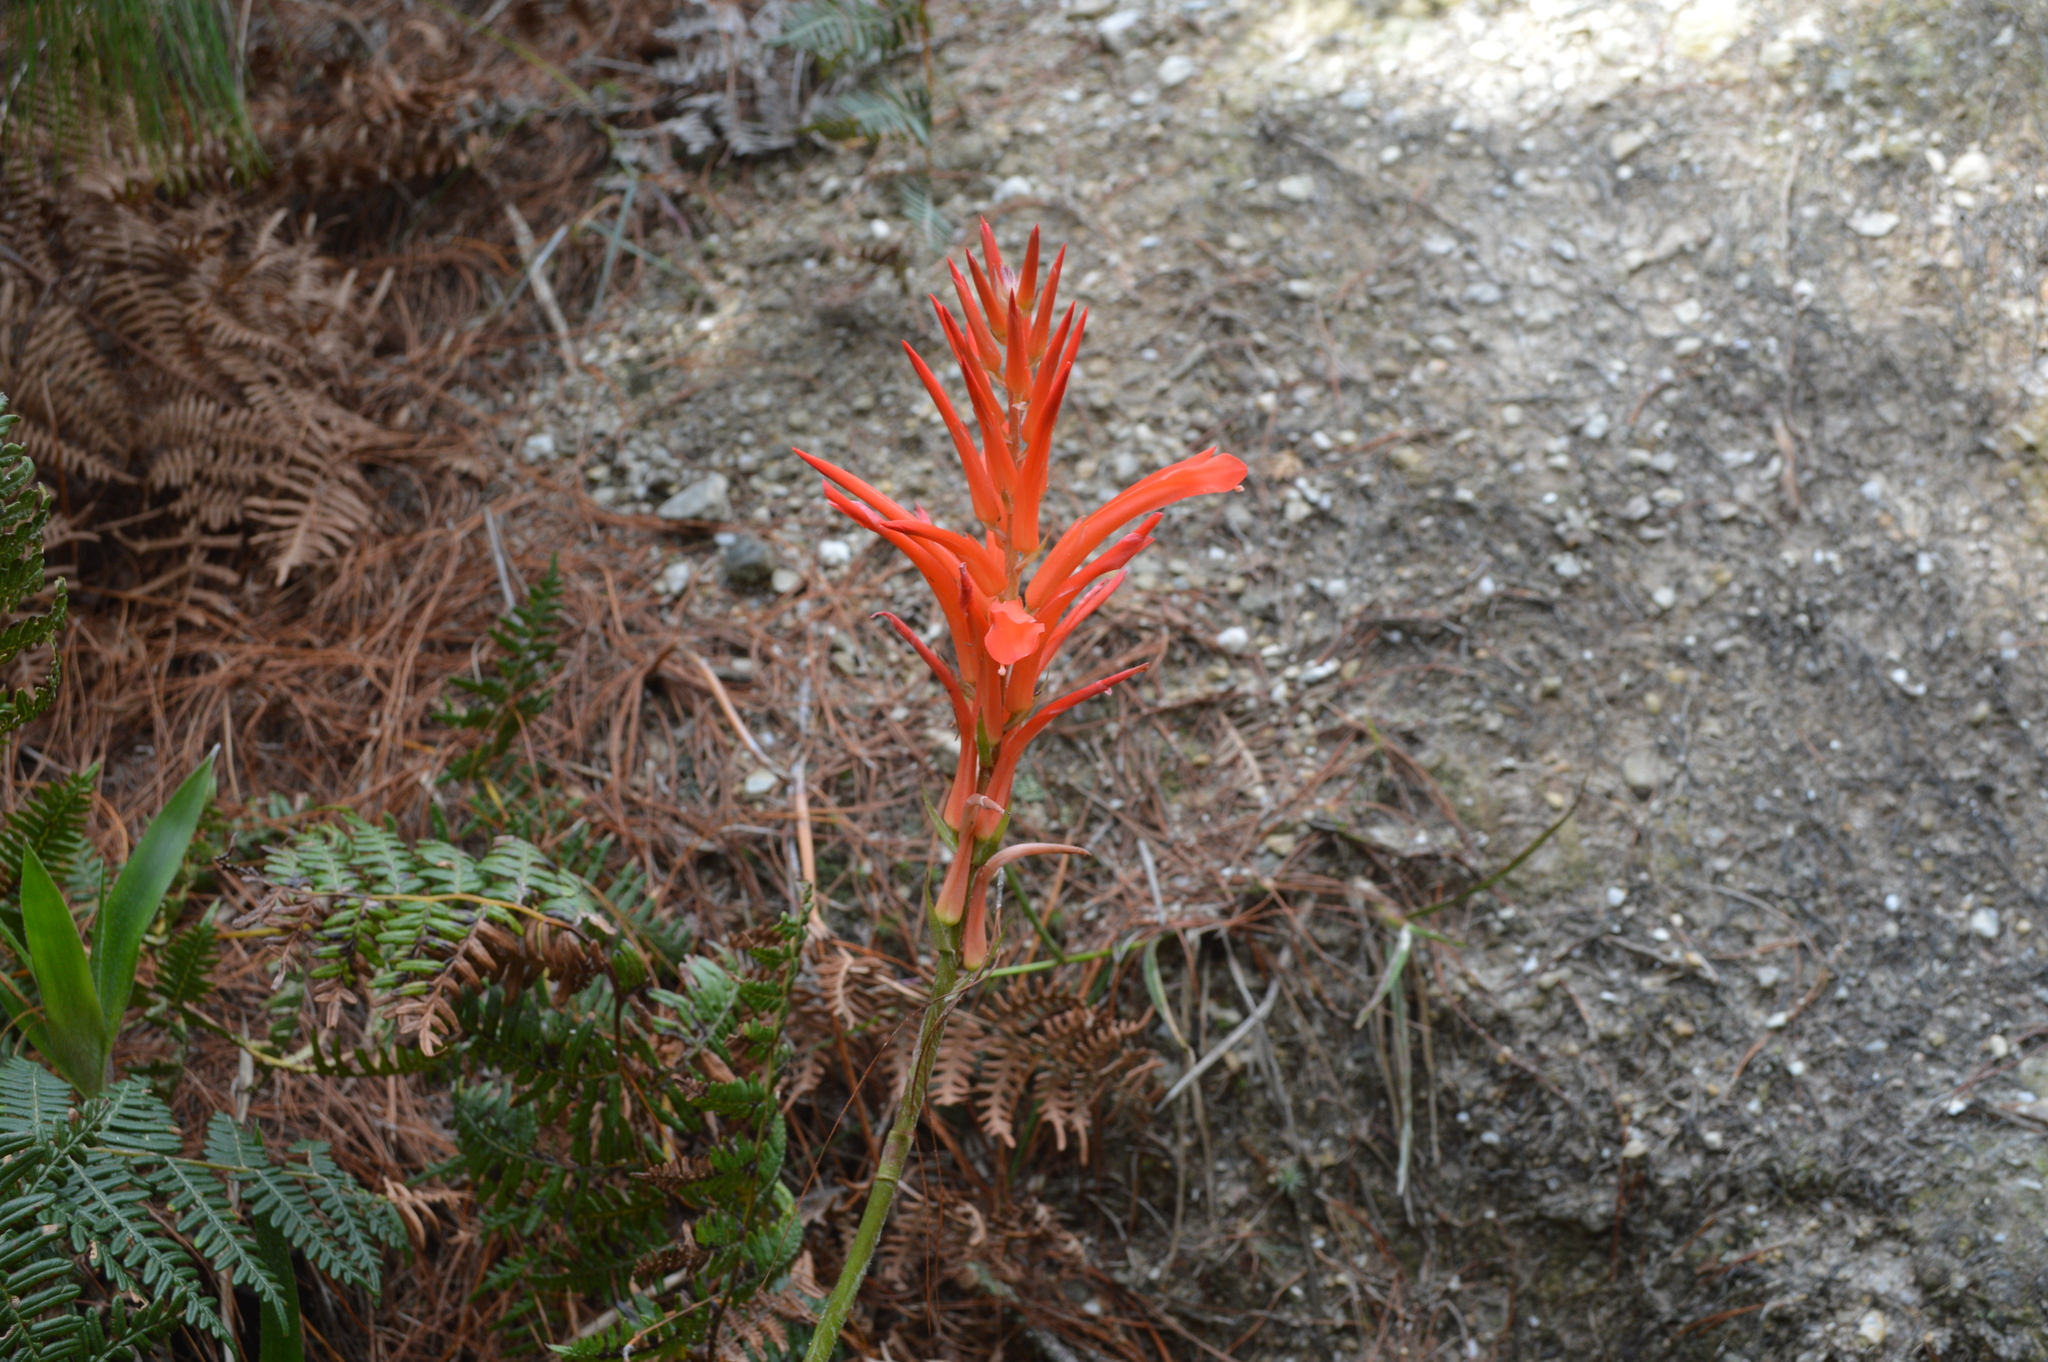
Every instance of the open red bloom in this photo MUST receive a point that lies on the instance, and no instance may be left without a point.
(1014, 360)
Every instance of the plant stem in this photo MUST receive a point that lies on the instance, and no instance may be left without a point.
(895, 1149)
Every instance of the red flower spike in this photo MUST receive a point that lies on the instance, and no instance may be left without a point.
(1006, 633)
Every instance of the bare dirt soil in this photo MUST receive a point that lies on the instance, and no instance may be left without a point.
(1641, 403)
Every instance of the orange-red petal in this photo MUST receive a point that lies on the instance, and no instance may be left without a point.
(1012, 632)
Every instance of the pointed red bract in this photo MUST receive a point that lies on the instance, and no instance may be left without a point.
(1006, 630)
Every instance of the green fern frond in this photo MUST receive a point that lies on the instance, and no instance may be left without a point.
(914, 196)
(87, 1188)
(185, 972)
(33, 1101)
(51, 823)
(516, 691)
(196, 1195)
(24, 511)
(842, 33)
(564, 1096)
(885, 108)
(360, 1225)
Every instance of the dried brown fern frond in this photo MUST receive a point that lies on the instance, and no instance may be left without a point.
(315, 515)
(760, 1327)
(938, 1224)
(372, 128)
(490, 954)
(1034, 1042)
(1040, 1039)
(201, 354)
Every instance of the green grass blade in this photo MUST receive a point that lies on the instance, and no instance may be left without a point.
(1510, 868)
(1392, 978)
(73, 1026)
(132, 904)
(284, 1334)
(1155, 988)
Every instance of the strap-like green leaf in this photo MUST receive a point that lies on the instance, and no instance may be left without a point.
(74, 1037)
(132, 904)
(284, 1334)
(1155, 987)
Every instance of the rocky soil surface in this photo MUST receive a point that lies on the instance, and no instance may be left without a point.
(1643, 395)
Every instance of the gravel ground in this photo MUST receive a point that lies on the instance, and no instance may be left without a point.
(1645, 396)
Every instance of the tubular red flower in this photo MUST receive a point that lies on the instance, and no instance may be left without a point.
(1023, 683)
(938, 568)
(834, 473)
(982, 319)
(1199, 475)
(988, 413)
(974, 936)
(1016, 376)
(987, 509)
(1027, 277)
(1046, 300)
(1020, 735)
(1109, 560)
(951, 904)
(963, 715)
(988, 573)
